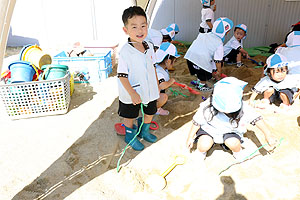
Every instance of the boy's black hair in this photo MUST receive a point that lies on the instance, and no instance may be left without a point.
(131, 12)
(167, 38)
(234, 117)
(281, 68)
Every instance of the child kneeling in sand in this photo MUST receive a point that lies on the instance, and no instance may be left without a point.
(222, 119)
(137, 78)
(276, 85)
(233, 49)
(165, 59)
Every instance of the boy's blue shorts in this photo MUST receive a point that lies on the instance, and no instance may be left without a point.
(131, 111)
(276, 95)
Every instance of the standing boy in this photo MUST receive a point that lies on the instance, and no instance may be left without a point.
(207, 16)
(137, 78)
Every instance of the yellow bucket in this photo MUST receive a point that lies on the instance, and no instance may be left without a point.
(35, 55)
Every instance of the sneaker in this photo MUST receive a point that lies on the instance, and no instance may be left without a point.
(230, 63)
(204, 88)
(239, 64)
(195, 82)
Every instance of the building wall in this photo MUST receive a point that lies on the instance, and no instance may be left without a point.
(268, 21)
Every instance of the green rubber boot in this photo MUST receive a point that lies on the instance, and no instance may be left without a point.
(145, 134)
(130, 133)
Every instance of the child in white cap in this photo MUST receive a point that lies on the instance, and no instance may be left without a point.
(205, 55)
(277, 85)
(165, 58)
(223, 118)
(207, 16)
(233, 49)
(169, 32)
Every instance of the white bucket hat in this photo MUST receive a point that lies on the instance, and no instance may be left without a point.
(276, 61)
(171, 30)
(227, 94)
(221, 26)
(293, 39)
(166, 48)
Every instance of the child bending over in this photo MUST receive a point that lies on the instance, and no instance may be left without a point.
(222, 119)
(233, 49)
(165, 59)
(137, 78)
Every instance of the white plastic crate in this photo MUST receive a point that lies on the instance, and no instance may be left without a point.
(36, 98)
(88, 69)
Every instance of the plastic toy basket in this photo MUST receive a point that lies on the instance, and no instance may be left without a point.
(89, 69)
(36, 98)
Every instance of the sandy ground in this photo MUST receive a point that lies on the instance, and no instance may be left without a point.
(75, 156)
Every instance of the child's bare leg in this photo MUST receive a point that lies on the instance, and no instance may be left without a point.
(205, 142)
(128, 122)
(239, 57)
(163, 98)
(284, 98)
(233, 144)
(268, 93)
(148, 119)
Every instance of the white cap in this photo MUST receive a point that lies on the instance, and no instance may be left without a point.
(244, 28)
(276, 60)
(168, 31)
(206, 2)
(293, 39)
(166, 48)
(221, 26)
(227, 94)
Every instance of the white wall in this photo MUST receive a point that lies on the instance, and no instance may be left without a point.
(62, 22)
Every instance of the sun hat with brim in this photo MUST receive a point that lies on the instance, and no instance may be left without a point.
(293, 39)
(276, 61)
(166, 48)
(221, 26)
(227, 94)
(168, 31)
(175, 27)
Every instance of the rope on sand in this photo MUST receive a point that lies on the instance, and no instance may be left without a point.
(247, 157)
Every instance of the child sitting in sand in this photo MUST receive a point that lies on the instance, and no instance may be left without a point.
(206, 53)
(137, 78)
(207, 16)
(233, 49)
(222, 119)
(276, 85)
(165, 59)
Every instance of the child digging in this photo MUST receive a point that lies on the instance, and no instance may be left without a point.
(137, 79)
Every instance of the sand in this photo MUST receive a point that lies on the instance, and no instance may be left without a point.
(75, 156)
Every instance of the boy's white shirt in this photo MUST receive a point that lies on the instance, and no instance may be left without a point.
(154, 36)
(233, 43)
(290, 82)
(220, 124)
(206, 48)
(162, 73)
(141, 73)
(207, 13)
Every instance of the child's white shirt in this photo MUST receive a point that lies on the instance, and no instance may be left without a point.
(233, 43)
(155, 37)
(220, 123)
(206, 48)
(207, 13)
(290, 82)
(162, 74)
(141, 73)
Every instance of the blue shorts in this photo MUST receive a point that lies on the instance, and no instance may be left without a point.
(276, 95)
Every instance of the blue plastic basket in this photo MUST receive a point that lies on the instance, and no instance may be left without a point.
(90, 69)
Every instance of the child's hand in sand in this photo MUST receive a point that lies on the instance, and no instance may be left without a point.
(189, 143)
(262, 104)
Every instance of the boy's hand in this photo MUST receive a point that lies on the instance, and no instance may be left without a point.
(135, 98)
(189, 143)
(272, 141)
(172, 80)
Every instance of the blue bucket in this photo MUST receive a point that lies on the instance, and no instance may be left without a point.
(21, 71)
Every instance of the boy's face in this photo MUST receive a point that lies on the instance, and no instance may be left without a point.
(170, 63)
(136, 28)
(212, 2)
(239, 34)
(278, 74)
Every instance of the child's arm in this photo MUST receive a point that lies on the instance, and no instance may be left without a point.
(135, 97)
(166, 84)
(244, 52)
(267, 133)
(219, 70)
(191, 136)
(208, 22)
